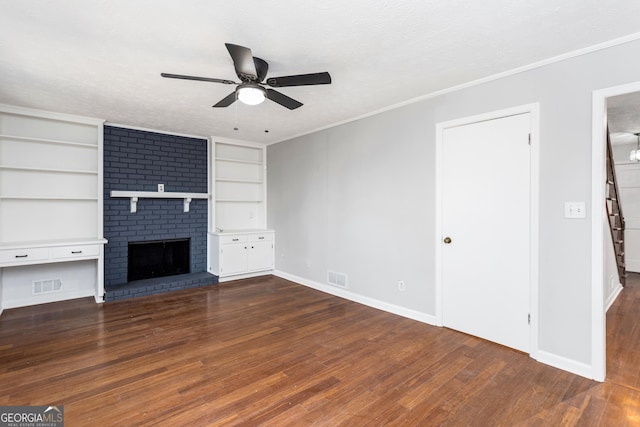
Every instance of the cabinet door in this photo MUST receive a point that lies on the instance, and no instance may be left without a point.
(260, 256)
(233, 259)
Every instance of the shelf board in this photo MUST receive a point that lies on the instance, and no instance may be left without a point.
(50, 198)
(221, 232)
(159, 195)
(240, 181)
(248, 162)
(47, 141)
(237, 201)
(32, 169)
(134, 196)
(52, 243)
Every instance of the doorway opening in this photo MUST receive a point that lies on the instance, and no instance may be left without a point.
(615, 102)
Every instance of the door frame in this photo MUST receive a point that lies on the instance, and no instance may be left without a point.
(534, 111)
(598, 174)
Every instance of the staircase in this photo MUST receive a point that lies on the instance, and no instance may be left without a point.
(614, 214)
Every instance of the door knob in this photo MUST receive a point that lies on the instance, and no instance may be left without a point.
(447, 240)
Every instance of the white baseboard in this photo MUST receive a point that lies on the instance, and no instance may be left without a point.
(351, 296)
(612, 297)
(569, 365)
(244, 276)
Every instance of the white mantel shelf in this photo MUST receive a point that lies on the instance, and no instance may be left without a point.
(134, 196)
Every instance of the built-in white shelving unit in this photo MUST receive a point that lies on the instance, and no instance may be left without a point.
(239, 173)
(50, 202)
(241, 246)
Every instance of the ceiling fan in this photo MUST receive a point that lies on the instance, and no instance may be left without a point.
(252, 71)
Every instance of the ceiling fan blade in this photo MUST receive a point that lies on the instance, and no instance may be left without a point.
(283, 99)
(242, 61)
(262, 67)
(201, 79)
(227, 100)
(300, 80)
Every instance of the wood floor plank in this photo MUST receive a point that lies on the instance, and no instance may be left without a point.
(267, 351)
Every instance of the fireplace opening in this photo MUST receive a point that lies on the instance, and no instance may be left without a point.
(158, 258)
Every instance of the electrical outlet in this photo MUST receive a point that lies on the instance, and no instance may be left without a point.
(401, 285)
(160, 188)
(574, 210)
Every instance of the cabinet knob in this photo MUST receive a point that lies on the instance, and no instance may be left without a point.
(447, 240)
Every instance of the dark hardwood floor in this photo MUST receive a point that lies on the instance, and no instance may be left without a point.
(623, 337)
(271, 352)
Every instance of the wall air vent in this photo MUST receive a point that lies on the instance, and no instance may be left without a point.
(46, 286)
(337, 279)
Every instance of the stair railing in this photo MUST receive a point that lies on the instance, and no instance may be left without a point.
(614, 213)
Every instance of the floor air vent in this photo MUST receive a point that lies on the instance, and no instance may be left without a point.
(337, 279)
(46, 286)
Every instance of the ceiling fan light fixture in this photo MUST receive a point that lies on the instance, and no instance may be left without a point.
(251, 94)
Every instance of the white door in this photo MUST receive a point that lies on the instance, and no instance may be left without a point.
(485, 220)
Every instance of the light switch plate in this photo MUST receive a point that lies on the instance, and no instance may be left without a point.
(573, 210)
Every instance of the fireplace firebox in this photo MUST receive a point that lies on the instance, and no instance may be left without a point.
(158, 258)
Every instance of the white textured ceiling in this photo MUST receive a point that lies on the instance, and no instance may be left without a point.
(103, 58)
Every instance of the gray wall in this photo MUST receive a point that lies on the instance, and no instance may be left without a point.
(359, 198)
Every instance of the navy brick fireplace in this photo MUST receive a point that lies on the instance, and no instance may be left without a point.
(136, 160)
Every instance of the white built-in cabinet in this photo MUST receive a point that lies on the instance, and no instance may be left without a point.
(51, 238)
(240, 246)
(243, 252)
